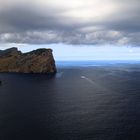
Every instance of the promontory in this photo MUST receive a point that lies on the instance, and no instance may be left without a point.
(36, 61)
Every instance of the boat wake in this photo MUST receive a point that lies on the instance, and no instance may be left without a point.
(99, 87)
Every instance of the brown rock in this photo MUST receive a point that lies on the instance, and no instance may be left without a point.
(37, 61)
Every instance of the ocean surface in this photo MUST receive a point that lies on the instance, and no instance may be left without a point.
(83, 101)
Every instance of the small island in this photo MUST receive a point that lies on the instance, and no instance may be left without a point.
(36, 61)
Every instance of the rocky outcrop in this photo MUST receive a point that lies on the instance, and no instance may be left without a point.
(37, 61)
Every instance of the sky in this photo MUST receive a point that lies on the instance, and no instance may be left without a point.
(74, 29)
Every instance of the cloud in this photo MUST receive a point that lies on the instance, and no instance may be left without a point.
(70, 22)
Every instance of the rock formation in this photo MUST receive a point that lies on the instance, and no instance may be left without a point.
(37, 61)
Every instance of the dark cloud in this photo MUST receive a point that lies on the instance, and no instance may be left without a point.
(32, 24)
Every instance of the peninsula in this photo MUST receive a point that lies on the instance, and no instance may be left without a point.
(36, 61)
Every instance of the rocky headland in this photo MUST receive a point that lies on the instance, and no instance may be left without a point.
(36, 61)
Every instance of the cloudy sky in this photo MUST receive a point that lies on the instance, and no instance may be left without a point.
(80, 26)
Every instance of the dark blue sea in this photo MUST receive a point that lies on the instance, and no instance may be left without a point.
(84, 101)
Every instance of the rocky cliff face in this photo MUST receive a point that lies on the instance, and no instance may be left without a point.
(37, 61)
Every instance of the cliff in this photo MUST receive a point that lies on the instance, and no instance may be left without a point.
(37, 61)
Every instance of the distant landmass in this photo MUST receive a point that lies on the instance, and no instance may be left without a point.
(36, 61)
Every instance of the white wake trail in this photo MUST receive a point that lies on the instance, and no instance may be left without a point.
(100, 87)
(91, 82)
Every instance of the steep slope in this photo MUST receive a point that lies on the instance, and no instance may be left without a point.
(37, 61)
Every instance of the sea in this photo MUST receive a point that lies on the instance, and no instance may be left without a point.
(85, 100)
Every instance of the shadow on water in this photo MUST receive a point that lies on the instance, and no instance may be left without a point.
(23, 105)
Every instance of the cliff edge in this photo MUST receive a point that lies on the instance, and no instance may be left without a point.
(37, 61)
